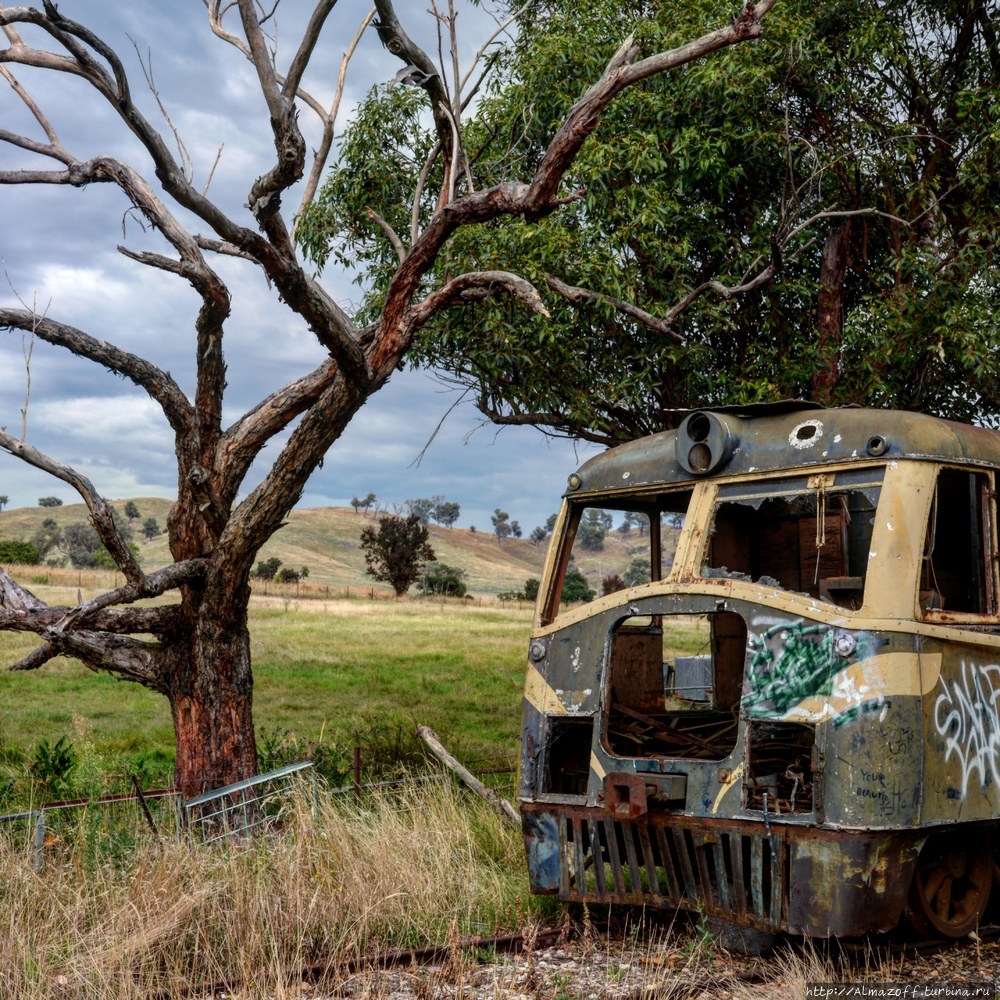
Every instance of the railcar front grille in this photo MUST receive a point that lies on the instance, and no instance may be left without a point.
(740, 874)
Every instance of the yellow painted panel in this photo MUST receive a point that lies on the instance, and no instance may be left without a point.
(898, 540)
(540, 695)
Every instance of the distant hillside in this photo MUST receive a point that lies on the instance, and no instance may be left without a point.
(326, 540)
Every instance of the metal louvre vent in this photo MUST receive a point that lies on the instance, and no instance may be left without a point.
(736, 874)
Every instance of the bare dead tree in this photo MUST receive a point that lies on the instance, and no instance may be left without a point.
(199, 653)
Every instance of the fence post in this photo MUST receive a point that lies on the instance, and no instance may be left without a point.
(38, 853)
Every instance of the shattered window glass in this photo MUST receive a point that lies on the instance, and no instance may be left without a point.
(626, 543)
(807, 534)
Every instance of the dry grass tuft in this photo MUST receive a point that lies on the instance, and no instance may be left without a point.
(399, 871)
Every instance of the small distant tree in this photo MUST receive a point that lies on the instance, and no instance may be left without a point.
(288, 575)
(515, 529)
(422, 508)
(611, 583)
(396, 551)
(637, 573)
(501, 525)
(150, 528)
(440, 578)
(531, 586)
(538, 536)
(575, 588)
(267, 569)
(132, 510)
(446, 512)
(550, 523)
(593, 530)
(47, 537)
(3, 501)
(81, 542)
(49, 502)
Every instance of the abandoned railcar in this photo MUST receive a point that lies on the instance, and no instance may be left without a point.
(794, 724)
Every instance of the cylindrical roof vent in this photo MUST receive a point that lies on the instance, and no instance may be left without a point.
(705, 442)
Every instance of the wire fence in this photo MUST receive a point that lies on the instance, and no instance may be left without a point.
(112, 823)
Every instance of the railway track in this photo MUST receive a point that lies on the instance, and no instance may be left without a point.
(336, 977)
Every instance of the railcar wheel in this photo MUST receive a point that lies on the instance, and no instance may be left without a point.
(951, 884)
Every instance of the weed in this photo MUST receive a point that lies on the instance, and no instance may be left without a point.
(53, 764)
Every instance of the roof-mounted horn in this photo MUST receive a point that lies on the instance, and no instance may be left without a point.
(705, 442)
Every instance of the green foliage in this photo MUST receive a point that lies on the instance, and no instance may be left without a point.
(150, 528)
(531, 586)
(869, 131)
(446, 512)
(266, 569)
(575, 588)
(81, 542)
(501, 525)
(47, 537)
(593, 529)
(440, 578)
(288, 575)
(423, 509)
(24, 553)
(49, 502)
(637, 573)
(395, 553)
(53, 765)
(132, 510)
(365, 503)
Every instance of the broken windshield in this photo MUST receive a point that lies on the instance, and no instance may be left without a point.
(807, 534)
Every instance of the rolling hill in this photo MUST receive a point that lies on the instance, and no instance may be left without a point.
(326, 540)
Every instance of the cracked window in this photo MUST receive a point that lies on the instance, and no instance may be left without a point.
(807, 534)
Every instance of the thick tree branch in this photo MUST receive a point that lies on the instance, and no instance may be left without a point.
(483, 281)
(127, 658)
(100, 511)
(36, 658)
(399, 43)
(243, 441)
(159, 384)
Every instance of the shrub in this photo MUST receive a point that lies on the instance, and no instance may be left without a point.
(19, 552)
(611, 583)
(575, 588)
(439, 578)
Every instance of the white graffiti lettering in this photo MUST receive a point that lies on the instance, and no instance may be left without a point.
(967, 715)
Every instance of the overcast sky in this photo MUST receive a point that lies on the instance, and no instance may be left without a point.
(58, 247)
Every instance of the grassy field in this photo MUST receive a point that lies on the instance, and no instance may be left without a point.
(344, 672)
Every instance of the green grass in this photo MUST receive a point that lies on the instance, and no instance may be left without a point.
(332, 668)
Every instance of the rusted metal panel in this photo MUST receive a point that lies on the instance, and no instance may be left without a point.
(789, 880)
(771, 443)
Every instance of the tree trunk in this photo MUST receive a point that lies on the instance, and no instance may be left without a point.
(830, 314)
(211, 702)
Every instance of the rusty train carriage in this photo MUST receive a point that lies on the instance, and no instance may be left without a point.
(828, 759)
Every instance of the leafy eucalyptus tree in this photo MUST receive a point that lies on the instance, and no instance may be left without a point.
(815, 217)
(195, 649)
